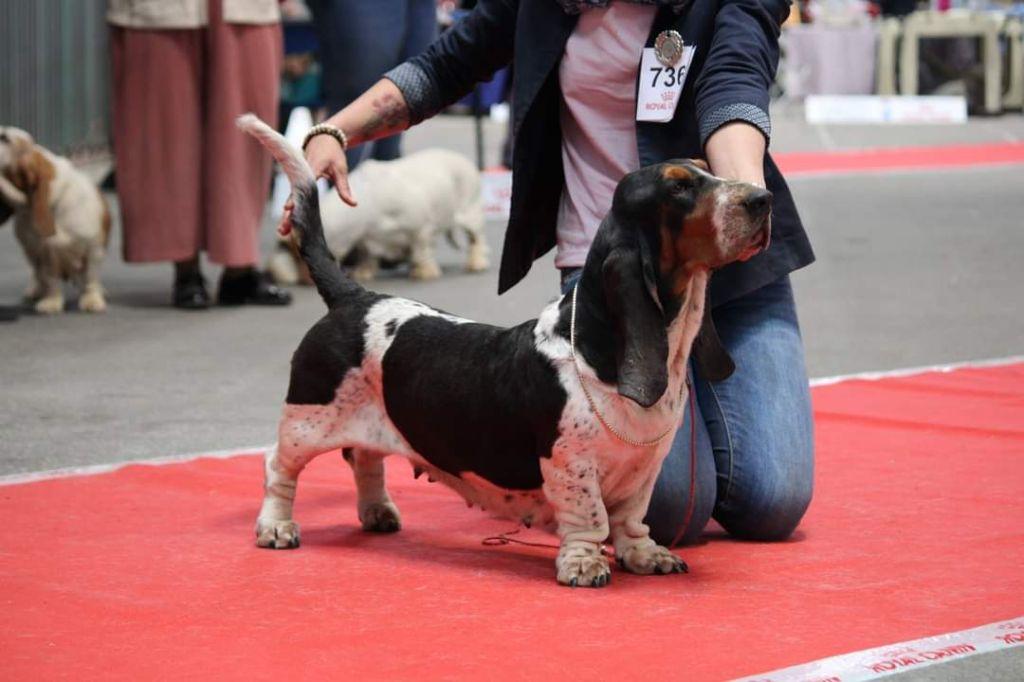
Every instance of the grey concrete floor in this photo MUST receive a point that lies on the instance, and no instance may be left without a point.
(913, 269)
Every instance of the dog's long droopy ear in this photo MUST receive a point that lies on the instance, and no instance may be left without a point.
(641, 342)
(713, 360)
(647, 265)
(33, 174)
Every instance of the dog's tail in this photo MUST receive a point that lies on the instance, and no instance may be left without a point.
(333, 285)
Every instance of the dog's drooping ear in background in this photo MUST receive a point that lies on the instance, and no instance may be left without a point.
(61, 222)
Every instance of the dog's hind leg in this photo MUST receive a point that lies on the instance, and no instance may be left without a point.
(471, 219)
(422, 261)
(274, 526)
(477, 260)
(91, 298)
(301, 437)
(377, 512)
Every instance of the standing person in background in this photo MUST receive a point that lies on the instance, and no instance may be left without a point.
(360, 40)
(578, 130)
(187, 181)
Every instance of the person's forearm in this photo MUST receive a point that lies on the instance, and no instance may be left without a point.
(378, 112)
(736, 152)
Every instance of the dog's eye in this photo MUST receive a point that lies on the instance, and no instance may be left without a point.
(4, 138)
(680, 185)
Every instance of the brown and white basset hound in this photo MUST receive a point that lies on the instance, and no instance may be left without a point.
(60, 219)
(563, 420)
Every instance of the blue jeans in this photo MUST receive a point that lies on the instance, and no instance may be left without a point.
(359, 41)
(755, 441)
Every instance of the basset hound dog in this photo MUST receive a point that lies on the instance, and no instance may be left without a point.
(405, 205)
(60, 220)
(563, 420)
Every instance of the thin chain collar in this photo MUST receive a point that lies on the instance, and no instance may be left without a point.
(593, 406)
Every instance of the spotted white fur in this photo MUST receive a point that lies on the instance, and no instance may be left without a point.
(595, 486)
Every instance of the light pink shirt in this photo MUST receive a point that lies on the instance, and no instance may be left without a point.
(598, 116)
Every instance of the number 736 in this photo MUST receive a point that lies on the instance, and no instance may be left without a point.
(672, 76)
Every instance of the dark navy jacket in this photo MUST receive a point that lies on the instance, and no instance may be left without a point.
(733, 67)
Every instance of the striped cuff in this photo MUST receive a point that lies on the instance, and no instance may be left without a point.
(418, 91)
(754, 115)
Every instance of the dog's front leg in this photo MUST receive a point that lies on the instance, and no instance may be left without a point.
(634, 548)
(422, 262)
(573, 490)
(51, 300)
(36, 289)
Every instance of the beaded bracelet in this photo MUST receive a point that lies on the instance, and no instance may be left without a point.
(326, 129)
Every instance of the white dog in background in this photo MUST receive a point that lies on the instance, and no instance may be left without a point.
(404, 206)
(60, 219)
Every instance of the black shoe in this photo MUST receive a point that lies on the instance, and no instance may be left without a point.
(251, 287)
(190, 292)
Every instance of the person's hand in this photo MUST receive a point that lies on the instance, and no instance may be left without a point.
(327, 159)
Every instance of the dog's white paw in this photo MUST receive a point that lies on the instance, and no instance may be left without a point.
(364, 273)
(579, 569)
(282, 268)
(381, 517)
(277, 534)
(647, 559)
(428, 270)
(51, 305)
(477, 262)
(33, 292)
(92, 302)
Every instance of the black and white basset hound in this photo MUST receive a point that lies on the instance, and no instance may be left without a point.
(562, 420)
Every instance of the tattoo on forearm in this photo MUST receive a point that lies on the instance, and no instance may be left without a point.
(389, 113)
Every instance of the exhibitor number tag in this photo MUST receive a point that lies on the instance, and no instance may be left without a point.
(660, 85)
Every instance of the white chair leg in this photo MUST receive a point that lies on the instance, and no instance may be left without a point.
(888, 36)
(993, 72)
(908, 61)
(1014, 97)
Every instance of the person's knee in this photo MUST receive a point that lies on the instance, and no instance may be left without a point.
(671, 515)
(773, 514)
(666, 517)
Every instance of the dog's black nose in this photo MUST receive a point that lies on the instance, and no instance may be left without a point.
(758, 203)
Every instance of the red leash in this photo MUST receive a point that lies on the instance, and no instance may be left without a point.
(504, 539)
(693, 466)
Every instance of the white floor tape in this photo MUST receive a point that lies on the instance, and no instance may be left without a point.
(94, 469)
(890, 659)
(911, 371)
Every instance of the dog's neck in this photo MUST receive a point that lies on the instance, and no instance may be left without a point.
(683, 328)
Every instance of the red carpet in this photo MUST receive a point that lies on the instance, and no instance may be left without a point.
(900, 158)
(151, 572)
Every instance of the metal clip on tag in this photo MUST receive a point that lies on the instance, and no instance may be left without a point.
(668, 47)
